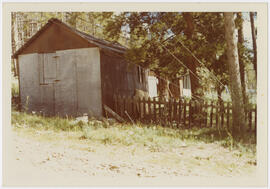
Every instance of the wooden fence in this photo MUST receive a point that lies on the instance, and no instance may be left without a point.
(179, 113)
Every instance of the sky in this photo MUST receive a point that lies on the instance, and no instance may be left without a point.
(247, 29)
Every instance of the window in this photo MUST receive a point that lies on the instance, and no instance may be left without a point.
(186, 82)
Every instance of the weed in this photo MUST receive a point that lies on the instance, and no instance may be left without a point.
(155, 137)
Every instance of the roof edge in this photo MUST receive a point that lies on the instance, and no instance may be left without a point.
(83, 35)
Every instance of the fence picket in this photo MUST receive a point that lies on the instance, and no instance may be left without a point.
(217, 110)
(180, 112)
(222, 114)
(211, 115)
(228, 115)
(149, 108)
(189, 114)
(185, 111)
(250, 120)
(206, 113)
(175, 110)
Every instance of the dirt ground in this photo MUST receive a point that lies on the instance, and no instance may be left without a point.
(65, 155)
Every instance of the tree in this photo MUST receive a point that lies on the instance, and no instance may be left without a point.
(191, 63)
(235, 81)
(253, 41)
(241, 49)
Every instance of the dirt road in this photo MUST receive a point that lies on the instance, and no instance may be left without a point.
(61, 156)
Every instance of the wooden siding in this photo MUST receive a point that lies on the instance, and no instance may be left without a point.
(56, 38)
(119, 77)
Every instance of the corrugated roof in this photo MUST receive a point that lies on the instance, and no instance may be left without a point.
(91, 39)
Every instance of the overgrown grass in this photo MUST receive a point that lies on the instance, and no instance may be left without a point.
(153, 136)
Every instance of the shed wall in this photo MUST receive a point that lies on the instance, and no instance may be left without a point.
(119, 77)
(64, 83)
(29, 82)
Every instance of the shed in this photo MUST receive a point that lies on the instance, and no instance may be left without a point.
(63, 71)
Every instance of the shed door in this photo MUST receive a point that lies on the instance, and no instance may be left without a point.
(65, 84)
(78, 84)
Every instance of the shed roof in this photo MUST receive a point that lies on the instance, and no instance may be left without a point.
(89, 38)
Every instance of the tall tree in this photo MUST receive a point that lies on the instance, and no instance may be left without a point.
(235, 81)
(251, 14)
(191, 63)
(241, 49)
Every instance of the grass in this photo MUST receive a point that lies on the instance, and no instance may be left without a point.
(153, 136)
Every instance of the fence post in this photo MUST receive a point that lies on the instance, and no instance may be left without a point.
(200, 113)
(159, 108)
(228, 115)
(155, 116)
(174, 110)
(211, 115)
(189, 114)
(144, 107)
(250, 119)
(217, 114)
(179, 111)
(149, 109)
(169, 110)
(222, 114)
(206, 113)
(185, 111)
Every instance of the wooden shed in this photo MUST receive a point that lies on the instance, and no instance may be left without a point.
(63, 71)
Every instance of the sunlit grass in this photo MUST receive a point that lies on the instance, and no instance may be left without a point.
(154, 136)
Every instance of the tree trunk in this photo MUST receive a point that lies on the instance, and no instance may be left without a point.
(13, 41)
(191, 62)
(219, 91)
(175, 88)
(163, 86)
(251, 14)
(241, 59)
(235, 81)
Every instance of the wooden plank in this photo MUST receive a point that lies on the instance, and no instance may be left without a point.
(159, 107)
(170, 110)
(228, 115)
(206, 113)
(189, 114)
(141, 107)
(250, 120)
(114, 114)
(217, 114)
(185, 106)
(149, 108)
(200, 114)
(179, 110)
(144, 108)
(155, 112)
(222, 114)
(211, 115)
